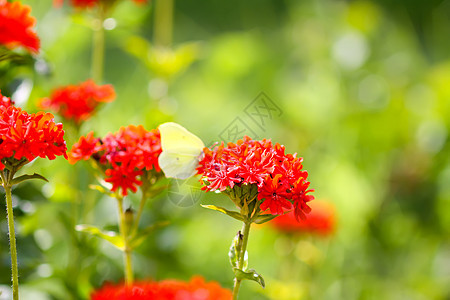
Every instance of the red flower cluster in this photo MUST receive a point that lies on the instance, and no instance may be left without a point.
(5, 101)
(77, 102)
(321, 220)
(27, 136)
(196, 289)
(281, 182)
(85, 3)
(123, 156)
(16, 26)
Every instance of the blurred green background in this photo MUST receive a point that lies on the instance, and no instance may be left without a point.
(362, 90)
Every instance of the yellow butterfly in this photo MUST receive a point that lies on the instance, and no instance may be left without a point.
(181, 151)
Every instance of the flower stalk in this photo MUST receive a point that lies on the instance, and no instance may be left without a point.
(7, 181)
(124, 227)
(163, 23)
(132, 166)
(245, 234)
(24, 137)
(135, 227)
(6, 178)
(98, 46)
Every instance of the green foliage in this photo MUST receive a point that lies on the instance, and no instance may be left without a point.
(235, 249)
(261, 219)
(363, 87)
(110, 236)
(249, 275)
(22, 178)
(234, 214)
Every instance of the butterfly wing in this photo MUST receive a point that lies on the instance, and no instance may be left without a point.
(175, 165)
(180, 151)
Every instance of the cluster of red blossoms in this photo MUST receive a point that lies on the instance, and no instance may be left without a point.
(5, 101)
(196, 289)
(124, 156)
(27, 136)
(78, 102)
(321, 220)
(280, 179)
(86, 3)
(16, 26)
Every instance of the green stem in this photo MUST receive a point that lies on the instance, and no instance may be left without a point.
(12, 238)
(245, 234)
(98, 47)
(81, 196)
(139, 213)
(163, 22)
(124, 230)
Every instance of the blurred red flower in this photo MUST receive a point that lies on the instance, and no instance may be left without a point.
(321, 220)
(77, 3)
(78, 102)
(279, 177)
(86, 3)
(16, 26)
(124, 156)
(5, 101)
(26, 136)
(195, 289)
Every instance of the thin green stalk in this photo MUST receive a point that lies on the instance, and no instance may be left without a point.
(98, 47)
(163, 22)
(12, 238)
(139, 213)
(124, 231)
(245, 234)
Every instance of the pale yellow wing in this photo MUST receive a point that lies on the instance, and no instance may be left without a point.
(180, 151)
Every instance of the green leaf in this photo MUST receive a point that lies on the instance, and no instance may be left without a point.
(27, 177)
(142, 235)
(261, 219)
(253, 191)
(233, 214)
(249, 275)
(235, 249)
(102, 190)
(245, 266)
(109, 236)
(138, 47)
(238, 192)
(8, 55)
(244, 209)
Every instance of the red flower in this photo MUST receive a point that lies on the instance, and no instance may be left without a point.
(16, 26)
(321, 220)
(78, 102)
(274, 191)
(27, 136)
(279, 177)
(85, 148)
(86, 3)
(124, 156)
(123, 175)
(5, 101)
(196, 289)
(222, 178)
(77, 3)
